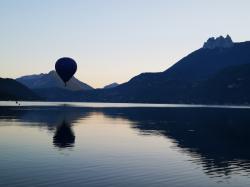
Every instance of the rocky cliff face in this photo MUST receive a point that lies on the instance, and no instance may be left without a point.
(219, 42)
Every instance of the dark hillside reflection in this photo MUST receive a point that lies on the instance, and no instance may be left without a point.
(57, 119)
(217, 139)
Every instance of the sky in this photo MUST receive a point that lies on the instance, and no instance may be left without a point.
(112, 40)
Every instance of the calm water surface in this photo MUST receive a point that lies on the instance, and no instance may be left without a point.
(91, 144)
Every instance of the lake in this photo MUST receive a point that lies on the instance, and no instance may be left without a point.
(95, 144)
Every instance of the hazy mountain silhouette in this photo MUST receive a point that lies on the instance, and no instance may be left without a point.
(13, 90)
(52, 80)
(190, 80)
(205, 62)
(112, 85)
(217, 73)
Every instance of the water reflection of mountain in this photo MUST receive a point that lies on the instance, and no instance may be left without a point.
(44, 116)
(218, 139)
(58, 119)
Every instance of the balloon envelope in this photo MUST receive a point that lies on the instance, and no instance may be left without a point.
(65, 68)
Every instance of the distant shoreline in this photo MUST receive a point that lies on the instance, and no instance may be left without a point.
(117, 105)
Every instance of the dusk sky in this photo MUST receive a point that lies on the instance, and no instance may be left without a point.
(112, 40)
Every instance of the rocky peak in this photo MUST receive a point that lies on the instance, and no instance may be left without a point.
(219, 42)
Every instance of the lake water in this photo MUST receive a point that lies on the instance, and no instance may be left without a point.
(94, 144)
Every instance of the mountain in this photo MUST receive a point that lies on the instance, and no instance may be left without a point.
(112, 85)
(205, 62)
(13, 90)
(219, 42)
(52, 80)
(190, 80)
(231, 86)
(57, 94)
(217, 73)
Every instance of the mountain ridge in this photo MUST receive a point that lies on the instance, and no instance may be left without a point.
(175, 85)
(188, 81)
(112, 85)
(10, 89)
(50, 80)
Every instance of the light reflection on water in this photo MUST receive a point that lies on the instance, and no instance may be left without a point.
(121, 146)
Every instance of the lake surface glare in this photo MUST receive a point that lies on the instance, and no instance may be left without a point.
(95, 144)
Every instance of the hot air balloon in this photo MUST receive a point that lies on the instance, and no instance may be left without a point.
(65, 68)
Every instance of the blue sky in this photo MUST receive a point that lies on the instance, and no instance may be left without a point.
(112, 40)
